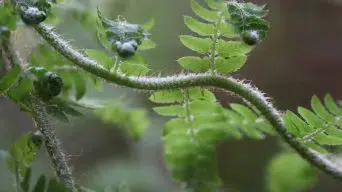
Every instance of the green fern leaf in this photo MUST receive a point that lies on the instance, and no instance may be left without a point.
(134, 121)
(167, 96)
(147, 44)
(135, 65)
(203, 12)
(215, 4)
(318, 128)
(195, 64)
(199, 45)
(22, 153)
(106, 61)
(198, 27)
(172, 110)
(232, 48)
(230, 64)
(332, 106)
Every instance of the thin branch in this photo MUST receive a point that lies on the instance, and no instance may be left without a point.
(39, 114)
(52, 144)
(251, 94)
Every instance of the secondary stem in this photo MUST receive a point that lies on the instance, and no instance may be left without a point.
(39, 114)
(245, 91)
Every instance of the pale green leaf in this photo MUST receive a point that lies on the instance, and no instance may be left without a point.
(101, 58)
(310, 117)
(199, 107)
(203, 12)
(332, 106)
(232, 48)
(199, 45)
(134, 69)
(244, 111)
(147, 44)
(299, 123)
(230, 64)
(198, 27)
(172, 110)
(198, 93)
(195, 64)
(316, 147)
(215, 4)
(324, 139)
(167, 96)
(320, 110)
(227, 30)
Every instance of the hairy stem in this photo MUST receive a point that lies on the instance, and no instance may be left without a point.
(52, 144)
(245, 91)
(39, 114)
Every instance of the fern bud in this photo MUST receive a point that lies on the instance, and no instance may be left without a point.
(49, 86)
(126, 49)
(32, 16)
(250, 37)
(53, 83)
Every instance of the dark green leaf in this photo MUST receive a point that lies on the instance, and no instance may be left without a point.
(40, 185)
(25, 184)
(55, 186)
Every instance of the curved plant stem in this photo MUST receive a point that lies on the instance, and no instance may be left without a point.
(245, 91)
(39, 114)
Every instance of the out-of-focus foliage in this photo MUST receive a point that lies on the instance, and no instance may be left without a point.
(287, 171)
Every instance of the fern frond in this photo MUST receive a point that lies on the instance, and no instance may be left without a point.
(319, 127)
(223, 20)
(200, 122)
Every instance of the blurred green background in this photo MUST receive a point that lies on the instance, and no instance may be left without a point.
(301, 57)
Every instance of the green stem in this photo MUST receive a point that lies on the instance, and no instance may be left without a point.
(39, 114)
(213, 48)
(52, 144)
(251, 94)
